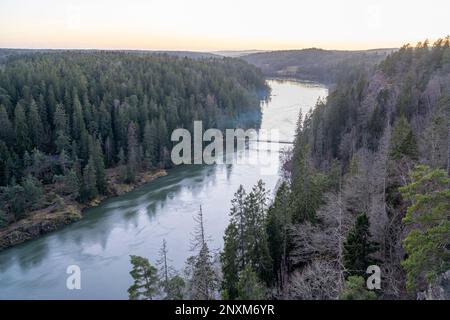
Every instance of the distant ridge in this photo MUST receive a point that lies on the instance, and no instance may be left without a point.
(4, 52)
(315, 64)
(236, 53)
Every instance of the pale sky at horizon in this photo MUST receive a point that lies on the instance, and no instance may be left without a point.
(207, 25)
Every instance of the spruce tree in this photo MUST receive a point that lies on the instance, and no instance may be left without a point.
(132, 153)
(150, 143)
(278, 222)
(101, 180)
(6, 128)
(21, 130)
(36, 129)
(230, 263)
(358, 248)
(403, 141)
(245, 241)
(256, 236)
(238, 218)
(203, 280)
(307, 187)
(60, 124)
(249, 286)
(90, 190)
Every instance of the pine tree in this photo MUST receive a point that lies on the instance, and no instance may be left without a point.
(358, 248)
(427, 218)
(145, 285)
(356, 289)
(175, 288)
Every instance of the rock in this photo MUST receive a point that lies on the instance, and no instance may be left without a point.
(439, 290)
(53, 217)
(39, 224)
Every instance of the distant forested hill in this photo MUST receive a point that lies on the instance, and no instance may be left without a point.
(66, 116)
(4, 53)
(315, 64)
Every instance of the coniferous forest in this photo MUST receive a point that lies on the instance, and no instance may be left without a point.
(366, 184)
(225, 159)
(68, 117)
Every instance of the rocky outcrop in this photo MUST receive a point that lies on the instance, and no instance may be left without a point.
(37, 224)
(439, 290)
(51, 219)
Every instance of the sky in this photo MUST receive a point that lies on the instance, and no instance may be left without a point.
(209, 25)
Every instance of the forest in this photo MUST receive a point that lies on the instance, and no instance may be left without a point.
(325, 66)
(366, 184)
(68, 119)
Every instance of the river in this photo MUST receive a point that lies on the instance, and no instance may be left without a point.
(137, 223)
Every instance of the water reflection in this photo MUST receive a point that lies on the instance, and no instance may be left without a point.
(137, 222)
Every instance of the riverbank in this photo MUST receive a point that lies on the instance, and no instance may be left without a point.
(138, 222)
(63, 211)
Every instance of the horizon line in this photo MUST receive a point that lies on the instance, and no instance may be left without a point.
(191, 50)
